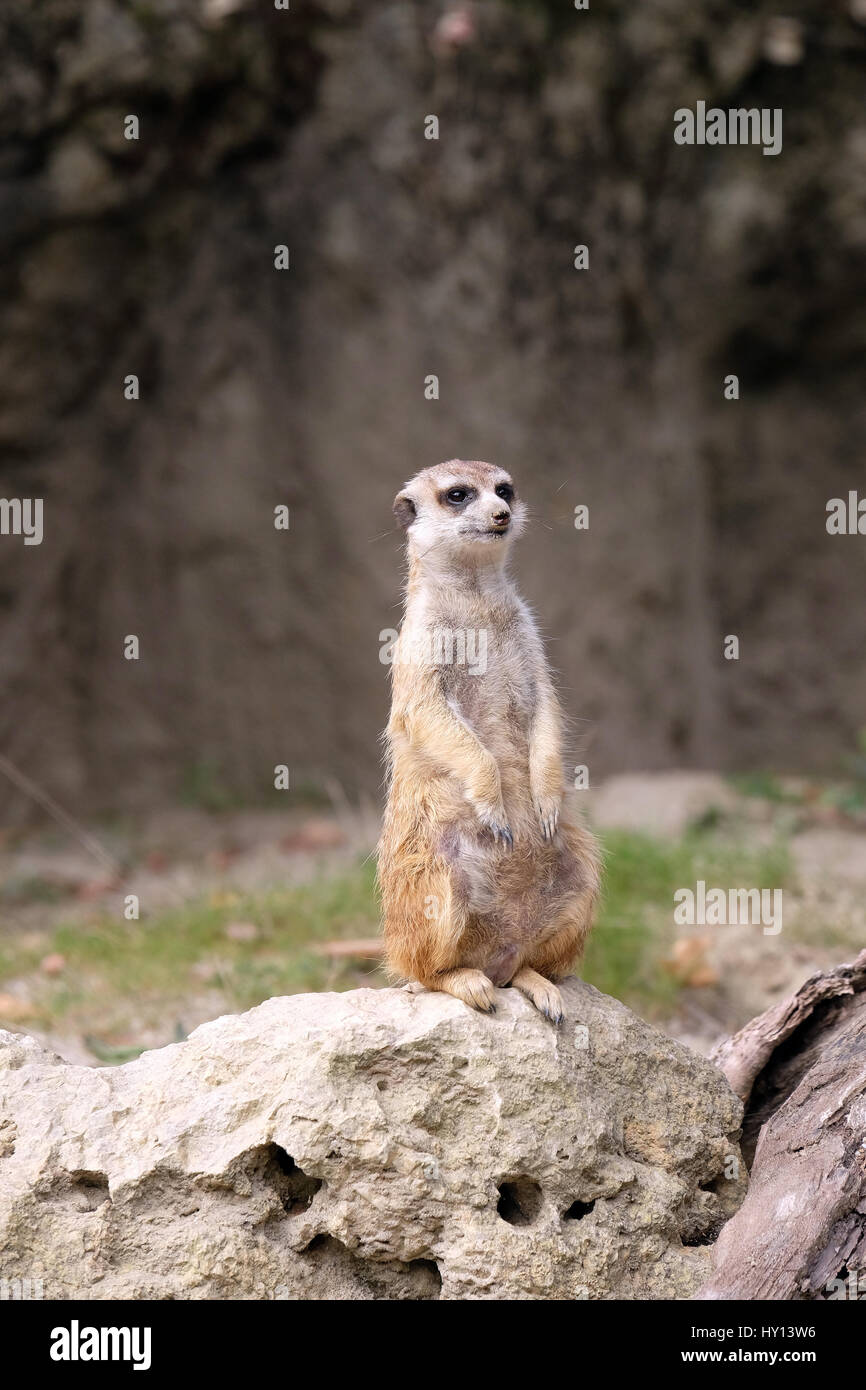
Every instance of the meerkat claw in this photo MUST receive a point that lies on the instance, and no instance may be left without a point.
(481, 996)
(501, 833)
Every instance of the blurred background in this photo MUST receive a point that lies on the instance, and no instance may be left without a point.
(602, 387)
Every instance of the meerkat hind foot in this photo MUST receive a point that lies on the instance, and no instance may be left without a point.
(540, 992)
(472, 986)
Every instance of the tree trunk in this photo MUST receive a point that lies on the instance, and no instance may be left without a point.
(800, 1069)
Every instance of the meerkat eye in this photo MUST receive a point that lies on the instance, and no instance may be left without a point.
(456, 495)
(505, 491)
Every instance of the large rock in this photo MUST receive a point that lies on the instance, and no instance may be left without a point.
(375, 1144)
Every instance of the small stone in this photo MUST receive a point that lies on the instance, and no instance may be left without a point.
(242, 931)
(453, 30)
(53, 964)
(783, 41)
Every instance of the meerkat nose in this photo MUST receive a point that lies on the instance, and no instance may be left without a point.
(501, 517)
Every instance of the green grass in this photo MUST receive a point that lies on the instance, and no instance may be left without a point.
(635, 927)
(121, 975)
(845, 793)
(764, 785)
(205, 786)
(155, 953)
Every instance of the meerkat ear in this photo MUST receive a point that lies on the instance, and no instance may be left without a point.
(404, 509)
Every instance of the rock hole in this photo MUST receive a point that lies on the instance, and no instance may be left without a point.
(319, 1242)
(519, 1201)
(702, 1237)
(416, 1280)
(703, 1228)
(88, 1177)
(578, 1210)
(426, 1275)
(89, 1187)
(295, 1188)
(703, 1222)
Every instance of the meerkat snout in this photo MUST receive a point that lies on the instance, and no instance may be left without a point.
(459, 506)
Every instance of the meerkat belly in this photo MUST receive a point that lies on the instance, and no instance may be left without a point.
(532, 885)
(513, 894)
(498, 709)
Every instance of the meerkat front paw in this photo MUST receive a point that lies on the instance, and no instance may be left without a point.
(472, 986)
(480, 992)
(548, 818)
(541, 992)
(492, 818)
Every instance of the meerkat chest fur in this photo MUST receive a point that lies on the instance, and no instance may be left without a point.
(484, 651)
(471, 677)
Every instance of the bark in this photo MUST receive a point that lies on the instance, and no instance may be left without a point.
(801, 1071)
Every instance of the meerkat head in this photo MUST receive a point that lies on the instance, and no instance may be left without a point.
(468, 511)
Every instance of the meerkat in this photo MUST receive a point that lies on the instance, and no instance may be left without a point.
(486, 878)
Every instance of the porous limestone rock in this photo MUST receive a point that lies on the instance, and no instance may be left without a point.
(373, 1144)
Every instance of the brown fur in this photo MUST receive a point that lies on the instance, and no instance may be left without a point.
(486, 877)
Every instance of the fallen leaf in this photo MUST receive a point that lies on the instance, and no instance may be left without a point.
(688, 962)
(221, 858)
(95, 888)
(367, 947)
(315, 834)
